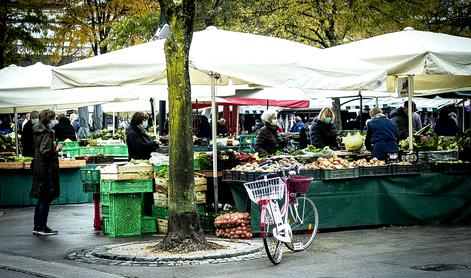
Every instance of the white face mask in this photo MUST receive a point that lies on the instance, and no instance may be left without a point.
(145, 124)
(274, 122)
(52, 123)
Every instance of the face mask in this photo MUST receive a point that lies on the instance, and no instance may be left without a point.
(52, 123)
(328, 120)
(34, 121)
(274, 122)
(145, 124)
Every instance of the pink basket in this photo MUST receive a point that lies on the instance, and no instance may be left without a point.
(299, 184)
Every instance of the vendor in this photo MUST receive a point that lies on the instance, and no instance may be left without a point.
(268, 140)
(140, 145)
(382, 134)
(323, 132)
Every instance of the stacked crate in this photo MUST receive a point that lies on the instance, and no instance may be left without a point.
(121, 194)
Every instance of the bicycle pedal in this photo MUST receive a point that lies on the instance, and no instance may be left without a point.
(298, 246)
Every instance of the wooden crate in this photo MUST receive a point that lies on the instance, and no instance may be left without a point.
(12, 165)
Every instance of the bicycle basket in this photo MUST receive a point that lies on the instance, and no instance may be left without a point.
(265, 189)
(299, 184)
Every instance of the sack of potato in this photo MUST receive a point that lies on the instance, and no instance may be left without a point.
(233, 225)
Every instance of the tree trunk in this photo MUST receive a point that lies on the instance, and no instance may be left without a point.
(337, 112)
(184, 229)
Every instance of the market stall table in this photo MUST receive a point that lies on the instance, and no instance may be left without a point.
(15, 186)
(429, 198)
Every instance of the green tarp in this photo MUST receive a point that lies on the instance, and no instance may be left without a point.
(429, 198)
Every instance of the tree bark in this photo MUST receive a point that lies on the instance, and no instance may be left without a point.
(184, 229)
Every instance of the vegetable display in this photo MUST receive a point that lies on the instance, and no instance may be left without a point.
(353, 141)
(233, 225)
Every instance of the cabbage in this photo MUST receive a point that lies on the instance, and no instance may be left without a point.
(353, 142)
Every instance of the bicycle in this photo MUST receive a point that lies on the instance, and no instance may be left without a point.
(295, 224)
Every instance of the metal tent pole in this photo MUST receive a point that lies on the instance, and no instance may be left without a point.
(15, 112)
(410, 81)
(215, 151)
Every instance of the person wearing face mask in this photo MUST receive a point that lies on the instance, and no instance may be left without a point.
(139, 144)
(64, 129)
(323, 132)
(45, 166)
(268, 140)
(27, 138)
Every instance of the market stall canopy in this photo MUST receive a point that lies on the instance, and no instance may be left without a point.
(245, 58)
(439, 62)
(281, 97)
(29, 88)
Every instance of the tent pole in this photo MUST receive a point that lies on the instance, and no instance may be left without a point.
(377, 102)
(215, 149)
(361, 110)
(410, 80)
(114, 123)
(15, 112)
(268, 103)
(464, 110)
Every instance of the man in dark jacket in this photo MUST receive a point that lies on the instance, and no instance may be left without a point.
(399, 117)
(268, 141)
(27, 138)
(139, 144)
(64, 130)
(323, 132)
(381, 134)
(45, 165)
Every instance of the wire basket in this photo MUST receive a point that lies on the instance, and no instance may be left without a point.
(299, 184)
(266, 189)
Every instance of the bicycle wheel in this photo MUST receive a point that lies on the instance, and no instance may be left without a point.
(273, 247)
(304, 224)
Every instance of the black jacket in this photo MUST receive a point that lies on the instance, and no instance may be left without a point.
(267, 141)
(45, 163)
(323, 134)
(27, 139)
(399, 117)
(65, 130)
(139, 144)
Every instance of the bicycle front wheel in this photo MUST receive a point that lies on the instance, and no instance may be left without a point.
(273, 247)
(304, 222)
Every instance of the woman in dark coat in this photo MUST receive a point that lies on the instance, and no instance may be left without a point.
(45, 165)
(399, 117)
(27, 138)
(382, 135)
(64, 130)
(268, 141)
(139, 144)
(445, 124)
(323, 132)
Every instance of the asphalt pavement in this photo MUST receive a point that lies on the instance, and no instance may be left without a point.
(411, 251)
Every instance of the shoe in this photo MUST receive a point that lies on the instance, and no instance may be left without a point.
(47, 232)
(36, 231)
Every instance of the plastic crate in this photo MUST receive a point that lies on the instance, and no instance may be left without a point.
(106, 224)
(436, 156)
(104, 159)
(374, 171)
(105, 210)
(453, 168)
(160, 212)
(246, 143)
(196, 164)
(148, 225)
(125, 215)
(71, 152)
(252, 176)
(90, 174)
(201, 209)
(69, 144)
(336, 174)
(228, 175)
(207, 223)
(116, 150)
(399, 170)
(316, 174)
(105, 199)
(91, 151)
(91, 187)
(126, 186)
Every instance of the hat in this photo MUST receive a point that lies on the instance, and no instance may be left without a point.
(406, 105)
(374, 111)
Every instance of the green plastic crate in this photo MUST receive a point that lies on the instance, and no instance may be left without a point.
(338, 174)
(71, 152)
(105, 211)
(106, 224)
(207, 223)
(105, 199)
(148, 225)
(91, 151)
(91, 187)
(159, 212)
(125, 213)
(201, 209)
(90, 174)
(196, 165)
(69, 144)
(116, 150)
(126, 186)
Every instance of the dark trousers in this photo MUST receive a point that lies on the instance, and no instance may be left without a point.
(41, 211)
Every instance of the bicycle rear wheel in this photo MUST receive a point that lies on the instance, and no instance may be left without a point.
(273, 247)
(304, 224)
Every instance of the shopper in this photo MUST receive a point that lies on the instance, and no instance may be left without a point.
(323, 132)
(45, 167)
(297, 125)
(381, 135)
(64, 130)
(399, 117)
(445, 125)
(140, 145)
(27, 138)
(75, 121)
(204, 128)
(222, 128)
(268, 140)
(416, 121)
